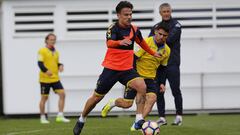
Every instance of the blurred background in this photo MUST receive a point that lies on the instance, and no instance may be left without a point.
(210, 66)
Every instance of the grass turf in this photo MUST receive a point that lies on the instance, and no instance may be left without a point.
(192, 125)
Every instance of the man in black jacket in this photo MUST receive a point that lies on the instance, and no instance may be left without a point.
(172, 71)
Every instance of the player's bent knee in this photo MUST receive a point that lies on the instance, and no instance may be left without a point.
(142, 89)
(128, 104)
(97, 98)
(138, 84)
(151, 97)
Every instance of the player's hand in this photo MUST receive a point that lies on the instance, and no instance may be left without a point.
(157, 55)
(49, 73)
(60, 68)
(125, 42)
(162, 88)
(164, 53)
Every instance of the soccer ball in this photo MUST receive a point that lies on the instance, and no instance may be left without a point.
(150, 128)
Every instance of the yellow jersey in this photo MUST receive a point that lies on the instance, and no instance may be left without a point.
(50, 60)
(147, 64)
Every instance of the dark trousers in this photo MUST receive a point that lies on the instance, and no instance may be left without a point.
(173, 77)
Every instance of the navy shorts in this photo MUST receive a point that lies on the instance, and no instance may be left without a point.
(109, 77)
(152, 87)
(45, 87)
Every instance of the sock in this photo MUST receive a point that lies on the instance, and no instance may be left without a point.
(138, 117)
(112, 104)
(162, 118)
(82, 119)
(179, 117)
(43, 117)
(60, 114)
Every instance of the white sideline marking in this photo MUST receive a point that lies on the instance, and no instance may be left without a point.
(33, 131)
(24, 132)
(41, 130)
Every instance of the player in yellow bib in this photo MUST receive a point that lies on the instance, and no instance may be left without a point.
(146, 66)
(48, 62)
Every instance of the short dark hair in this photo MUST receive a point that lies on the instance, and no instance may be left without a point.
(48, 35)
(162, 25)
(123, 4)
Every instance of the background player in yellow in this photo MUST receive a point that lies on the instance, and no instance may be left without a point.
(146, 66)
(48, 62)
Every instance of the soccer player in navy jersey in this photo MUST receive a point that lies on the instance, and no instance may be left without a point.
(172, 73)
(146, 66)
(118, 64)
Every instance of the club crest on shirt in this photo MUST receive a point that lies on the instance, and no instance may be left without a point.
(109, 34)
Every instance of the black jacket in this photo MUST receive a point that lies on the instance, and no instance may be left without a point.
(173, 40)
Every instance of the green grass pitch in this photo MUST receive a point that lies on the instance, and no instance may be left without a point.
(192, 125)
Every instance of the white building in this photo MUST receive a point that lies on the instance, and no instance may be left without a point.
(210, 50)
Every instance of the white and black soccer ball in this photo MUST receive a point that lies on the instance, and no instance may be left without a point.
(150, 128)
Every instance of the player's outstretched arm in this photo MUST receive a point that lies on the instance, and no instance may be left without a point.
(139, 39)
(125, 42)
(145, 46)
